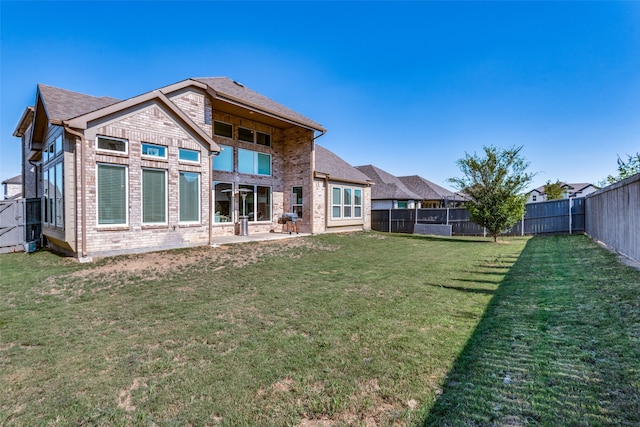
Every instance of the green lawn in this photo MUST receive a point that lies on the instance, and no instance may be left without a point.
(357, 329)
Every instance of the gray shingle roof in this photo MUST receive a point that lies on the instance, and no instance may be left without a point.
(329, 163)
(64, 104)
(13, 180)
(387, 186)
(232, 89)
(425, 188)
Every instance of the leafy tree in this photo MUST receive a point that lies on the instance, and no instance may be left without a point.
(494, 184)
(626, 169)
(554, 190)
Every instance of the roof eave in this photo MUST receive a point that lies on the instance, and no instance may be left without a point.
(25, 121)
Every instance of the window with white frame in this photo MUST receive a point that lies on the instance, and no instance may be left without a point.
(346, 202)
(107, 143)
(191, 156)
(224, 161)
(154, 196)
(258, 202)
(112, 194)
(154, 151)
(253, 162)
(189, 197)
(223, 202)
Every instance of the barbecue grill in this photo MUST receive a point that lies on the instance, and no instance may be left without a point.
(288, 220)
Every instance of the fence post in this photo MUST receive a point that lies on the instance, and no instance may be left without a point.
(522, 225)
(570, 215)
(447, 216)
(389, 220)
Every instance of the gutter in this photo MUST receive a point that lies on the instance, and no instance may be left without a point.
(82, 183)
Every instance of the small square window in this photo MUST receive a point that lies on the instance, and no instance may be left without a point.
(263, 139)
(192, 156)
(245, 135)
(223, 129)
(111, 144)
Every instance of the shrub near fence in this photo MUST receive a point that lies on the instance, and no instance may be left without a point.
(555, 216)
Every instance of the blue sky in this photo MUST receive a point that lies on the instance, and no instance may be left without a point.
(406, 86)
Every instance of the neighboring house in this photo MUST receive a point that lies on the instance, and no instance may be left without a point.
(174, 167)
(388, 191)
(12, 188)
(570, 191)
(433, 195)
(407, 192)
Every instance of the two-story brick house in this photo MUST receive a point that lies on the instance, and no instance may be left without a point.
(174, 167)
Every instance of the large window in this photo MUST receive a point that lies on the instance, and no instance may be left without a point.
(154, 196)
(346, 202)
(258, 203)
(107, 143)
(112, 195)
(253, 162)
(189, 197)
(223, 202)
(224, 161)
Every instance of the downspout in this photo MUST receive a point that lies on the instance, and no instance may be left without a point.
(83, 235)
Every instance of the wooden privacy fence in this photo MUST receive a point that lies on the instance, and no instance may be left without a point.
(613, 216)
(555, 216)
(19, 223)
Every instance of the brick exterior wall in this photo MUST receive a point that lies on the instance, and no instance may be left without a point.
(155, 125)
(292, 158)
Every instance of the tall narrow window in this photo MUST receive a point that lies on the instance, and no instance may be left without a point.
(59, 196)
(347, 202)
(336, 202)
(154, 196)
(296, 201)
(223, 198)
(357, 203)
(112, 195)
(189, 197)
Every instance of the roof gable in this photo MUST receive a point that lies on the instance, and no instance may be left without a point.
(234, 92)
(328, 163)
(425, 188)
(387, 186)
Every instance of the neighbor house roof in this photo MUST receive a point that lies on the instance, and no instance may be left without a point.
(15, 180)
(334, 167)
(427, 189)
(387, 186)
(572, 189)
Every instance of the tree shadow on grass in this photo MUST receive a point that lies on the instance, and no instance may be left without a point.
(538, 356)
